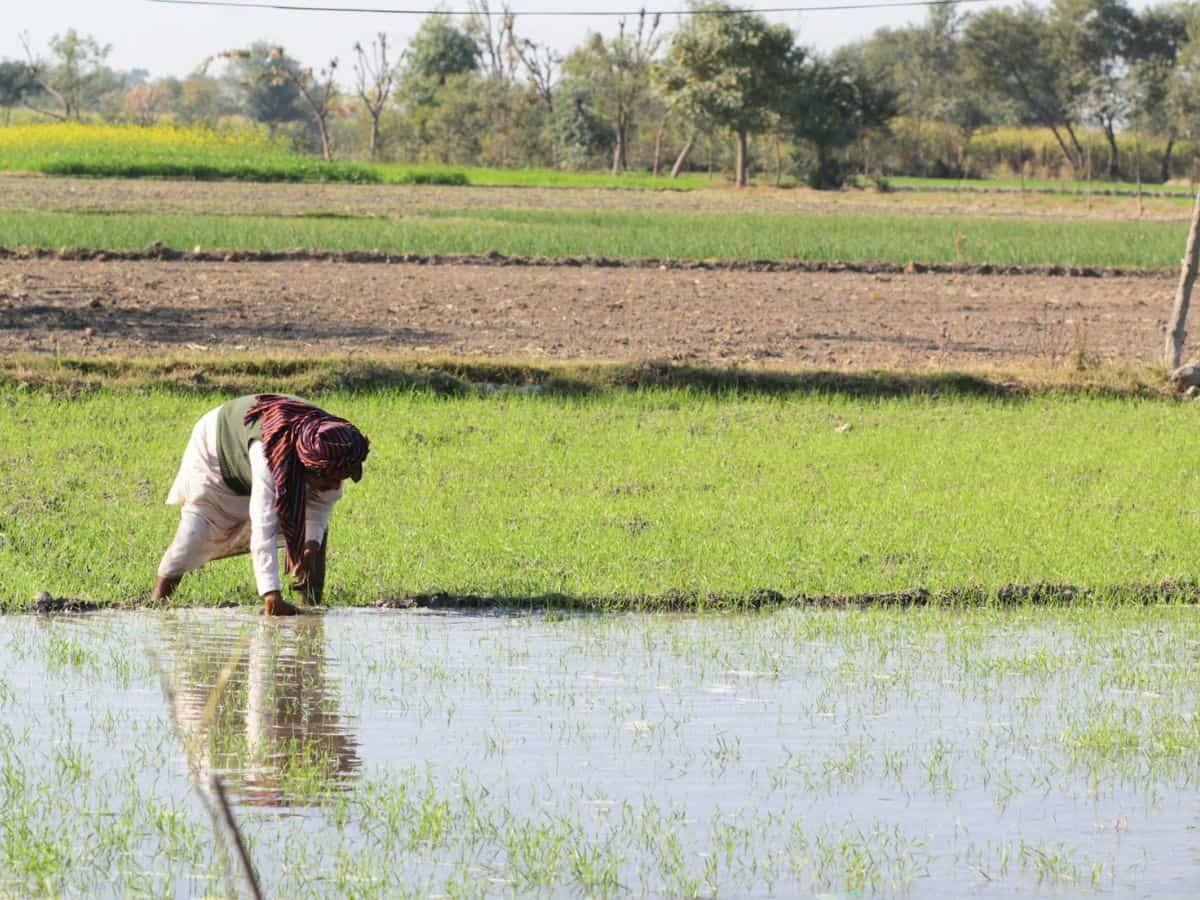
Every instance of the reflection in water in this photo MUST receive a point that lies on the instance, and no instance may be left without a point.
(275, 735)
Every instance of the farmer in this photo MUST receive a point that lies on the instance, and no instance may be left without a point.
(259, 471)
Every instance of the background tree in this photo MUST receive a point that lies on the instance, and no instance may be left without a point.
(76, 75)
(16, 85)
(829, 104)
(1092, 40)
(319, 93)
(494, 37)
(1183, 89)
(203, 100)
(1159, 35)
(725, 68)
(580, 135)
(1010, 53)
(374, 79)
(542, 64)
(440, 72)
(254, 76)
(923, 67)
(617, 72)
(145, 104)
(438, 50)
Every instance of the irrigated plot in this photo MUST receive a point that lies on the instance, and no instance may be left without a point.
(398, 754)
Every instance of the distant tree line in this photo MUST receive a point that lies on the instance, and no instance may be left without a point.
(726, 91)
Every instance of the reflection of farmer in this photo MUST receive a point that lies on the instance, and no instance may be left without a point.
(291, 719)
(277, 716)
(258, 471)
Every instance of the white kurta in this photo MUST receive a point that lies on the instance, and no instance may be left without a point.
(215, 522)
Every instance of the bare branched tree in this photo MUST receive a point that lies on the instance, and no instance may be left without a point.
(37, 72)
(541, 63)
(492, 32)
(277, 68)
(318, 93)
(77, 78)
(633, 54)
(618, 73)
(374, 80)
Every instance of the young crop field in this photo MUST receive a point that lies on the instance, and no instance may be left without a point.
(623, 498)
(639, 235)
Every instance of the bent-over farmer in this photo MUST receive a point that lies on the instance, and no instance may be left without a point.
(259, 471)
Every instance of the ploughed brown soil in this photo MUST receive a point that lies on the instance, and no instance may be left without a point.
(844, 320)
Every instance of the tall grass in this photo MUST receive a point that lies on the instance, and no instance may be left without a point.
(625, 495)
(928, 148)
(534, 231)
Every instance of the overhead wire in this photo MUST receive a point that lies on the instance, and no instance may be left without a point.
(580, 13)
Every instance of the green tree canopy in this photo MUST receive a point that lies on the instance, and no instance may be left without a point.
(259, 77)
(1012, 53)
(438, 50)
(830, 104)
(726, 69)
(1092, 41)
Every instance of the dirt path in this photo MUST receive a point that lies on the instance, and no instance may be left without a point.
(834, 320)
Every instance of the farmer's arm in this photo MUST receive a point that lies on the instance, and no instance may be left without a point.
(310, 570)
(316, 514)
(264, 532)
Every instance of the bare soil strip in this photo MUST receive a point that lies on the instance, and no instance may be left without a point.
(834, 320)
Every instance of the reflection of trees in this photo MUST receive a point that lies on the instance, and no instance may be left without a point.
(275, 735)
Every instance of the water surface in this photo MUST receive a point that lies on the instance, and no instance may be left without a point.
(924, 752)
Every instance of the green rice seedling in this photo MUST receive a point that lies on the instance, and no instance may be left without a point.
(633, 234)
(506, 512)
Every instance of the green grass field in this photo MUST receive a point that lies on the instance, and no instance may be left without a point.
(633, 234)
(620, 496)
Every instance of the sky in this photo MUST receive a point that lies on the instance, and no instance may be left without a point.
(174, 40)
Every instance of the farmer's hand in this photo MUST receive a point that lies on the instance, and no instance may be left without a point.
(310, 572)
(275, 605)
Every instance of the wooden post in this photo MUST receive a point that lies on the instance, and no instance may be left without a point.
(1137, 164)
(1177, 327)
(1021, 166)
(1089, 176)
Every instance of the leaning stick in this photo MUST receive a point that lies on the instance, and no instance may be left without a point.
(1177, 327)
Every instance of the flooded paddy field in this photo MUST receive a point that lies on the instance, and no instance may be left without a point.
(928, 753)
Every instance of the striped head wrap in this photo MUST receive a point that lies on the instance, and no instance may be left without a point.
(300, 439)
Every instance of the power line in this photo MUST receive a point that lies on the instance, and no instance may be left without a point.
(291, 7)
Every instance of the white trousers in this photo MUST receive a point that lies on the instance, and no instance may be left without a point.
(214, 522)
